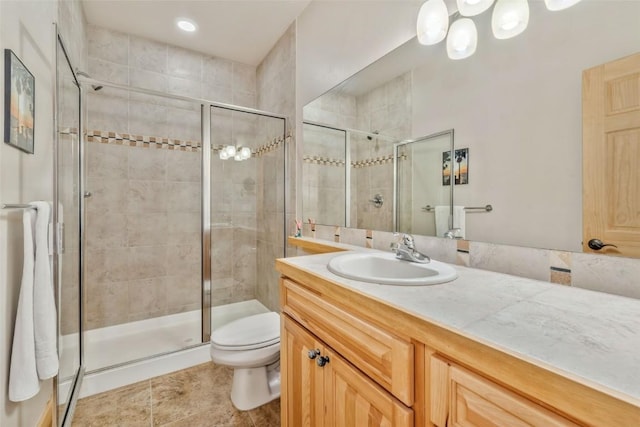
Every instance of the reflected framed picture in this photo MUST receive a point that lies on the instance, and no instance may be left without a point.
(19, 103)
(459, 167)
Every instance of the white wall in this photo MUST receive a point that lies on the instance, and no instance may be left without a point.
(336, 39)
(517, 105)
(26, 28)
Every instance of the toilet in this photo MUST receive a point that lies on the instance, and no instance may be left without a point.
(251, 346)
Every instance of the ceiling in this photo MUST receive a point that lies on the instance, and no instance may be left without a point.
(240, 30)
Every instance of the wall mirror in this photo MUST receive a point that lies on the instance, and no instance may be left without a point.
(515, 105)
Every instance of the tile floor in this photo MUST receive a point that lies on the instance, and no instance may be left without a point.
(194, 397)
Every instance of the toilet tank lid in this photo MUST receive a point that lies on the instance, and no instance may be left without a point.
(261, 328)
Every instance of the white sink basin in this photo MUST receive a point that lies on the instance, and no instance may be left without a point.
(385, 269)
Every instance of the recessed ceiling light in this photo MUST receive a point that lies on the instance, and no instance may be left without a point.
(186, 25)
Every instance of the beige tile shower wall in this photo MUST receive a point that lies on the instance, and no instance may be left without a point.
(385, 110)
(276, 88)
(601, 273)
(143, 219)
(142, 233)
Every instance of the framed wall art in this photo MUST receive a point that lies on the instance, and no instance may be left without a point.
(19, 103)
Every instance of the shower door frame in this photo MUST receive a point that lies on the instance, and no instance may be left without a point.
(58, 234)
(205, 127)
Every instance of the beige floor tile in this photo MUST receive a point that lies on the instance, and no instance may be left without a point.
(128, 406)
(267, 415)
(194, 397)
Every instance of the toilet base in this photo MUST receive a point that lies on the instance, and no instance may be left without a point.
(253, 387)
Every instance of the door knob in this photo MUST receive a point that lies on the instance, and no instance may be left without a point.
(597, 244)
(313, 353)
(322, 360)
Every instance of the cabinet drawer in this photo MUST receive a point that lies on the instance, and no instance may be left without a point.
(386, 358)
(462, 398)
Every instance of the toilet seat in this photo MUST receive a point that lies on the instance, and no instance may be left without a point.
(249, 333)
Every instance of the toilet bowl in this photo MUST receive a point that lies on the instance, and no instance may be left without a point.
(251, 346)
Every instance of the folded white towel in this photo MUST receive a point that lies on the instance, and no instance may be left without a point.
(442, 220)
(44, 306)
(23, 374)
(459, 220)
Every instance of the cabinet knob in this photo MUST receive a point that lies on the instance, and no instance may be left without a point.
(313, 353)
(323, 360)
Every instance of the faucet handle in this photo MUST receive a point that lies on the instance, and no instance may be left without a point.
(407, 240)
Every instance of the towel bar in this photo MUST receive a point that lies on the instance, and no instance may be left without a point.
(17, 206)
(487, 208)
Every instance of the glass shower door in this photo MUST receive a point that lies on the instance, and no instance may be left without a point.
(67, 216)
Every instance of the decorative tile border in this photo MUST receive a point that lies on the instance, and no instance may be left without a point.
(130, 140)
(324, 161)
(141, 141)
(329, 161)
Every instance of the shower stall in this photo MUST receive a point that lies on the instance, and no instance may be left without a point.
(174, 212)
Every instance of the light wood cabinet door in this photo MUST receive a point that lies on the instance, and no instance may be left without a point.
(335, 394)
(302, 380)
(460, 398)
(354, 400)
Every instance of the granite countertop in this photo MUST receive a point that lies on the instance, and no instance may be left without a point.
(591, 336)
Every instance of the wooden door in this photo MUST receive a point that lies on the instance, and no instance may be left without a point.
(354, 400)
(611, 156)
(302, 380)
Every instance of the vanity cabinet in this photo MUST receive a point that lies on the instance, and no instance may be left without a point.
(320, 388)
(389, 367)
(460, 398)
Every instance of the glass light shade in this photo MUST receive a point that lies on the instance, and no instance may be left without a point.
(510, 18)
(238, 157)
(230, 150)
(245, 152)
(473, 7)
(462, 40)
(559, 4)
(433, 22)
(223, 154)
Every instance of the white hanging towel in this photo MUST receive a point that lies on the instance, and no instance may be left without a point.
(44, 306)
(23, 374)
(442, 220)
(459, 220)
(34, 353)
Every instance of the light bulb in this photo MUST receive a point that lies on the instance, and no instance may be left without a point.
(186, 25)
(473, 7)
(462, 40)
(510, 18)
(559, 4)
(231, 150)
(223, 154)
(238, 157)
(245, 152)
(433, 22)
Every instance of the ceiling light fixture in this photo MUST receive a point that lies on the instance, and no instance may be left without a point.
(463, 39)
(509, 18)
(473, 7)
(559, 4)
(186, 25)
(433, 22)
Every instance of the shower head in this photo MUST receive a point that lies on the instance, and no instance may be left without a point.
(83, 74)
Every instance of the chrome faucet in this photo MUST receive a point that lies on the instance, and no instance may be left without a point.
(405, 250)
